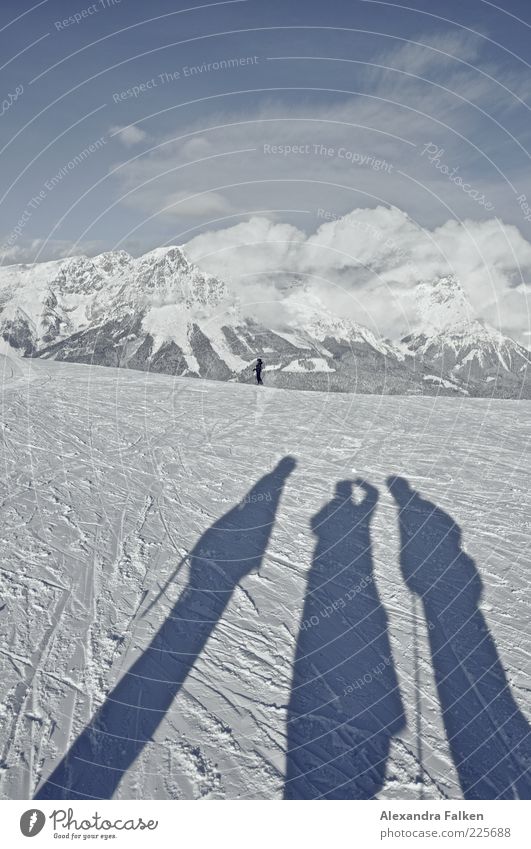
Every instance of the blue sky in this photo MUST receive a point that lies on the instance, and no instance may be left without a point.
(302, 113)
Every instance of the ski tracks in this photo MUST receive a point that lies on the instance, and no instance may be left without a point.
(110, 479)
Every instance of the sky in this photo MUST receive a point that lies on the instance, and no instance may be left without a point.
(358, 147)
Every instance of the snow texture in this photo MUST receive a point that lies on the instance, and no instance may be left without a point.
(214, 590)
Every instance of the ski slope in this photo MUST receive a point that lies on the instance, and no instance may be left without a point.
(206, 592)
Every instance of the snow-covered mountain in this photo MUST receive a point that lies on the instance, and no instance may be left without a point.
(161, 313)
(459, 348)
(115, 310)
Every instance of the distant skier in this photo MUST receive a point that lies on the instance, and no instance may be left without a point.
(258, 370)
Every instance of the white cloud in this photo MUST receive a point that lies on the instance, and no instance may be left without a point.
(336, 140)
(367, 264)
(129, 135)
(430, 51)
(41, 250)
(197, 205)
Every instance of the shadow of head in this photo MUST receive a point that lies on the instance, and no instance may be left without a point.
(400, 489)
(286, 466)
(433, 561)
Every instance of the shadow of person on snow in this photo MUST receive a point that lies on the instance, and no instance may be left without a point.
(133, 710)
(345, 703)
(488, 735)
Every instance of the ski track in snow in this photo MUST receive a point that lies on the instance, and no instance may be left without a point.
(111, 477)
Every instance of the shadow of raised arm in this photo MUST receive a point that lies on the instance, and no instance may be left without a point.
(134, 709)
(345, 703)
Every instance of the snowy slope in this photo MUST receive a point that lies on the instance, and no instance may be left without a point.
(185, 605)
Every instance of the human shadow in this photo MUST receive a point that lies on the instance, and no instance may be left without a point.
(488, 735)
(345, 703)
(133, 710)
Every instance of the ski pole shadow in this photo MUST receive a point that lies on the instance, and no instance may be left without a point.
(133, 710)
(488, 735)
(345, 703)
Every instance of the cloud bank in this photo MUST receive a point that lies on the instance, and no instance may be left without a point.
(367, 264)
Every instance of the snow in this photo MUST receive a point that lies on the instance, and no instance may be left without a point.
(174, 322)
(445, 314)
(159, 571)
(433, 378)
(213, 329)
(445, 322)
(442, 305)
(294, 338)
(112, 283)
(309, 312)
(310, 364)
(43, 306)
(170, 322)
(10, 369)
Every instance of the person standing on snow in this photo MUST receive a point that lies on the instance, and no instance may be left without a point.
(258, 370)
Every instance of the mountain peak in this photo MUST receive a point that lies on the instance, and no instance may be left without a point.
(442, 305)
(170, 256)
(111, 262)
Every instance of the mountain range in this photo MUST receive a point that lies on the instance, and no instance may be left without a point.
(161, 313)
